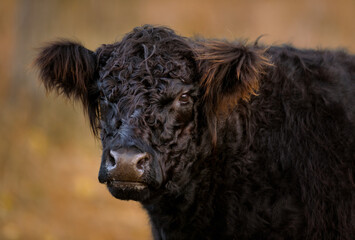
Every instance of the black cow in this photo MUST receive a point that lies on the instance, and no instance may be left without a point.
(217, 139)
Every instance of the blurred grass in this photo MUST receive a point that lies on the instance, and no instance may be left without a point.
(49, 159)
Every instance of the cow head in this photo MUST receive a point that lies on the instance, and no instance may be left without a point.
(152, 97)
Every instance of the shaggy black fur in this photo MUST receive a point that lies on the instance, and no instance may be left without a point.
(248, 141)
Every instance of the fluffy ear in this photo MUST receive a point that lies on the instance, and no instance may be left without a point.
(69, 68)
(229, 72)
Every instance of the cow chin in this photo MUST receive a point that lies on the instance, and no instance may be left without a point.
(136, 191)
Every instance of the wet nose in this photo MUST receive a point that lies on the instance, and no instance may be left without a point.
(127, 165)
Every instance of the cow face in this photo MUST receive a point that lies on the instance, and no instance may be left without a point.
(152, 96)
(148, 112)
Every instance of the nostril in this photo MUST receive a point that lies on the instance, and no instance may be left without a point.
(112, 159)
(142, 163)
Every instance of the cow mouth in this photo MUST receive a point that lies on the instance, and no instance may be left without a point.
(127, 185)
(124, 190)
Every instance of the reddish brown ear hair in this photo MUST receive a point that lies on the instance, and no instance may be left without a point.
(230, 72)
(69, 68)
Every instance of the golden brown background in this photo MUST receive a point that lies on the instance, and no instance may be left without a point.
(49, 159)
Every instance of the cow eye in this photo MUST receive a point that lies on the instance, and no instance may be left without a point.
(184, 98)
(117, 123)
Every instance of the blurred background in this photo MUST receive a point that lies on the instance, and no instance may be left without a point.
(49, 160)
